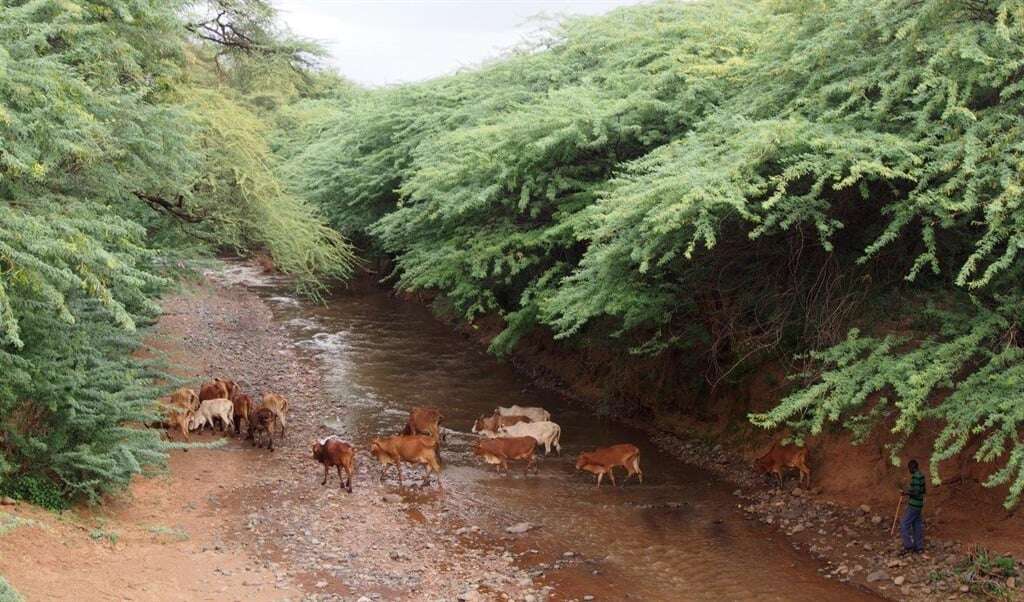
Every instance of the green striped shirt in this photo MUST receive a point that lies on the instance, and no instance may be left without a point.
(916, 491)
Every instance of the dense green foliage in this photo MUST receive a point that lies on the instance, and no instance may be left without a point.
(126, 142)
(732, 183)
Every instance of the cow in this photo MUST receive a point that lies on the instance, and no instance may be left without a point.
(535, 414)
(413, 449)
(210, 409)
(332, 451)
(185, 398)
(603, 460)
(781, 457)
(279, 405)
(489, 425)
(425, 421)
(218, 388)
(243, 409)
(500, 450)
(546, 433)
(263, 422)
(177, 416)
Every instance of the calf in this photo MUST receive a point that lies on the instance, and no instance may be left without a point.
(426, 421)
(413, 449)
(546, 433)
(263, 423)
(500, 450)
(603, 460)
(185, 398)
(210, 409)
(781, 457)
(243, 408)
(332, 451)
(279, 405)
(535, 414)
(177, 416)
(489, 425)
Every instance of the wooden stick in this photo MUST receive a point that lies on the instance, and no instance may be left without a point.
(892, 530)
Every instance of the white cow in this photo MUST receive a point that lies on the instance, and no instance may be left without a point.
(546, 433)
(213, 408)
(534, 414)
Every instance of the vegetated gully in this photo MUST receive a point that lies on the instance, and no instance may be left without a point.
(678, 536)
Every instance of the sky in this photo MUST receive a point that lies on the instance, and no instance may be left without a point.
(379, 42)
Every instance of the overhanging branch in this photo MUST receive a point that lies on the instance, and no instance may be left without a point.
(175, 209)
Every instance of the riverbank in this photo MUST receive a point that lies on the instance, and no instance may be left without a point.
(844, 519)
(238, 523)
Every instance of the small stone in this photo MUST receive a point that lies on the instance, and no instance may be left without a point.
(876, 520)
(865, 509)
(568, 554)
(520, 528)
(7, 501)
(797, 529)
(321, 584)
(965, 588)
(877, 576)
(899, 579)
(588, 598)
(364, 599)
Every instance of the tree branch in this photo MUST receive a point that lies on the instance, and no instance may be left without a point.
(176, 209)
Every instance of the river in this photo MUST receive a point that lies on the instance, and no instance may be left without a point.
(678, 536)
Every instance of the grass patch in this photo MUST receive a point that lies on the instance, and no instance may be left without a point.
(168, 534)
(986, 573)
(9, 522)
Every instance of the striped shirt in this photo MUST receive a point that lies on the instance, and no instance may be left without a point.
(915, 494)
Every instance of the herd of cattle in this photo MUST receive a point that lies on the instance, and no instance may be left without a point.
(510, 434)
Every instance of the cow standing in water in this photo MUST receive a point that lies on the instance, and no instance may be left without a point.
(603, 460)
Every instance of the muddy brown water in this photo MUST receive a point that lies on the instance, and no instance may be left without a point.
(678, 536)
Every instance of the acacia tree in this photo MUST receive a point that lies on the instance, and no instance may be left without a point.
(731, 182)
(116, 152)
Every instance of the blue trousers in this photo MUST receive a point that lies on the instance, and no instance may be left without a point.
(912, 529)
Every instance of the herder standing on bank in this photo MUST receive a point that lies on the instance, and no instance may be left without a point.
(912, 525)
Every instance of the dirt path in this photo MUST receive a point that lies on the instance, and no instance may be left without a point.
(238, 523)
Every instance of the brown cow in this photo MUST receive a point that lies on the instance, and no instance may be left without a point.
(243, 408)
(603, 460)
(215, 389)
(263, 422)
(424, 421)
(177, 416)
(414, 449)
(781, 457)
(279, 405)
(185, 398)
(332, 451)
(491, 424)
(500, 450)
